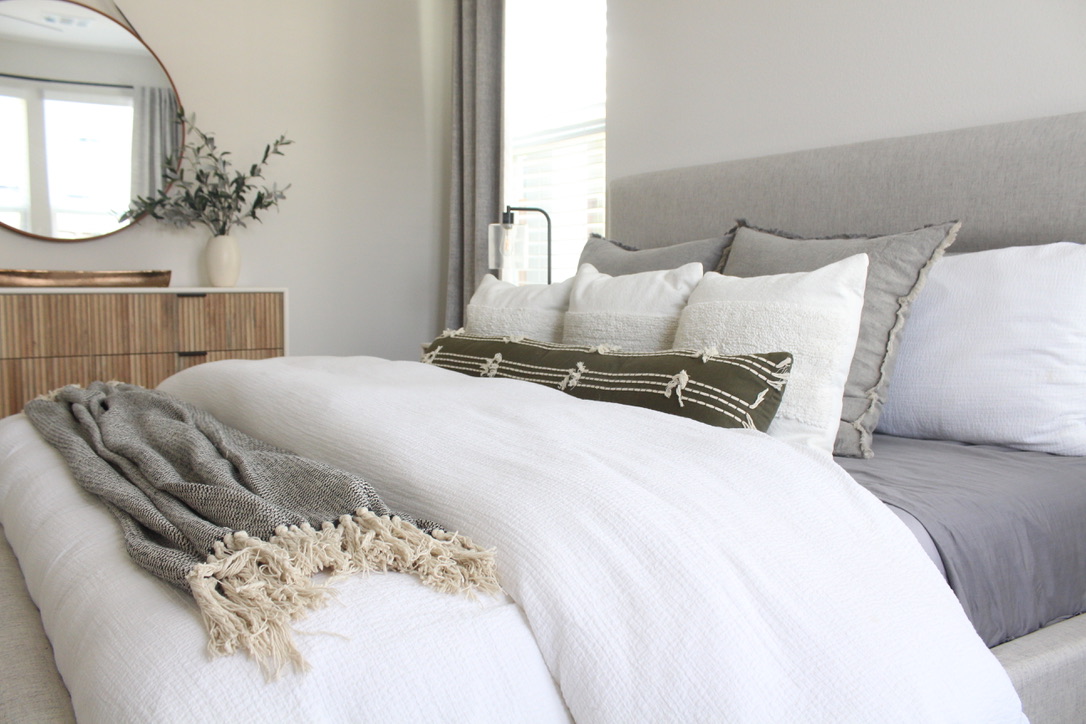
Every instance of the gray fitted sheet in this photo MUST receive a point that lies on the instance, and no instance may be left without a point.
(922, 537)
(1009, 526)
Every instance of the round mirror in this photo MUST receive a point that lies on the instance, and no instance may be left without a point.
(88, 117)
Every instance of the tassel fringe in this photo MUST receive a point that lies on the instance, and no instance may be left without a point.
(250, 590)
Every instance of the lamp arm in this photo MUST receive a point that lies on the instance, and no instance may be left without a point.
(510, 209)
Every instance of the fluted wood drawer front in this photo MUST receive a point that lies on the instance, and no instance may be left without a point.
(63, 325)
(242, 321)
(48, 340)
(12, 396)
(24, 379)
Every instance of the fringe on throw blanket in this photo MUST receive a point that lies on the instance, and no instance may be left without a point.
(249, 590)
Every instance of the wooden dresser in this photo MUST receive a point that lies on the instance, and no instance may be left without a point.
(51, 338)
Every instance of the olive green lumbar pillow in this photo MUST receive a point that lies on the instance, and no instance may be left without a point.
(723, 390)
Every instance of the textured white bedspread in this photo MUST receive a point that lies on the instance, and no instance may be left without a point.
(668, 570)
(132, 649)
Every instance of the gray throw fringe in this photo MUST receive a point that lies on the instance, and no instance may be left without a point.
(240, 524)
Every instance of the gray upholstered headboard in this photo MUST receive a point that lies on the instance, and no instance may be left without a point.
(1010, 184)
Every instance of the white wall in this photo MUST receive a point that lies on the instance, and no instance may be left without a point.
(695, 81)
(362, 88)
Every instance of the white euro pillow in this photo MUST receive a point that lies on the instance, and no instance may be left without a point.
(502, 309)
(995, 352)
(814, 315)
(634, 312)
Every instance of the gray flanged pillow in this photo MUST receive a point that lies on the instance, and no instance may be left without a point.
(898, 267)
(614, 258)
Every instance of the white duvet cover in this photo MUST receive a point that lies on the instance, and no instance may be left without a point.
(665, 570)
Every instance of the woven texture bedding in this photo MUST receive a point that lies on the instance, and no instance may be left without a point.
(1007, 524)
(666, 569)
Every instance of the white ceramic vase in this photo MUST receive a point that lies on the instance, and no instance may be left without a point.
(223, 258)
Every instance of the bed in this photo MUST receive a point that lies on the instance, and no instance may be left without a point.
(724, 575)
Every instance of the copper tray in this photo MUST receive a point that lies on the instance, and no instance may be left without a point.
(43, 278)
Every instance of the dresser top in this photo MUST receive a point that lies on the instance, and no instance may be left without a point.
(139, 290)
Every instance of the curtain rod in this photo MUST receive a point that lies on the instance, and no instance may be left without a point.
(69, 82)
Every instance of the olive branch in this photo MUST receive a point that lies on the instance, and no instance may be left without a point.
(201, 186)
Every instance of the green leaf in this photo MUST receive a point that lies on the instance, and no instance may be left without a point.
(200, 185)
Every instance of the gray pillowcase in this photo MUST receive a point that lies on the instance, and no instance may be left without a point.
(897, 269)
(616, 259)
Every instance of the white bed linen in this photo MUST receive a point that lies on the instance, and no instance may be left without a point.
(132, 649)
(669, 571)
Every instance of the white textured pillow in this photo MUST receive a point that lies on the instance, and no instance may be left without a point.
(502, 309)
(635, 312)
(995, 352)
(814, 315)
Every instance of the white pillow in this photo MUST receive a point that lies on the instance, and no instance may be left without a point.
(502, 309)
(814, 315)
(995, 352)
(634, 312)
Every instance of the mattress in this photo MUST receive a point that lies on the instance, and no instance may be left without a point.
(1007, 525)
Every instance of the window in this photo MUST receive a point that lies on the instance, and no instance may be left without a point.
(14, 172)
(76, 180)
(555, 126)
(89, 148)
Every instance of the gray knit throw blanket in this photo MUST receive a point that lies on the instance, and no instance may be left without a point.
(239, 523)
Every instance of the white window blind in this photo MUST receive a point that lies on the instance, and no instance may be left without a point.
(555, 126)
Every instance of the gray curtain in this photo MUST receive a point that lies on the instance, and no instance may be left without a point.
(477, 148)
(155, 137)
